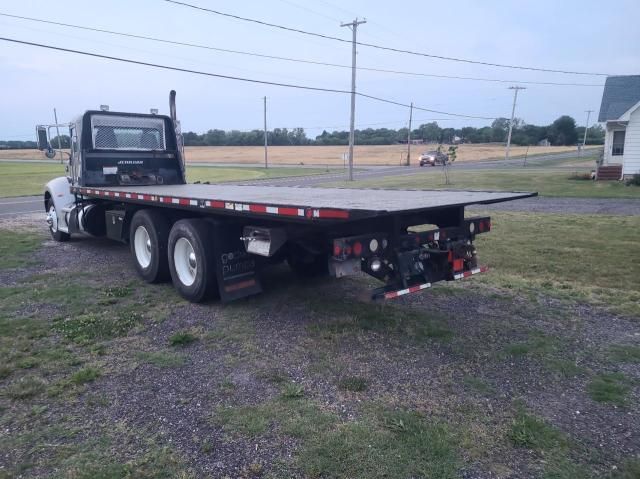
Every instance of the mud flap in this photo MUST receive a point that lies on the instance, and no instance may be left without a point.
(236, 270)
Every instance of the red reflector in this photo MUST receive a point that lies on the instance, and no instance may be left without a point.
(481, 227)
(337, 249)
(357, 248)
(458, 264)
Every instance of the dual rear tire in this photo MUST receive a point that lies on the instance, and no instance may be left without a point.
(179, 252)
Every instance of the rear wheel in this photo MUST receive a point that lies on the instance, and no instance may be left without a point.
(148, 237)
(52, 221)
(191, 260)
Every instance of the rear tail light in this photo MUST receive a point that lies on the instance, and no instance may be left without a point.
(358, 247)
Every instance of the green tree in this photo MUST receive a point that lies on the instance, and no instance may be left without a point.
(563, 131)
(65, 141)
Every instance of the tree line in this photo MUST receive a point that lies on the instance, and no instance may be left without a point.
(563, 131)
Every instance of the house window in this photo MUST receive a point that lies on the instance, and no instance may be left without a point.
(618, 143)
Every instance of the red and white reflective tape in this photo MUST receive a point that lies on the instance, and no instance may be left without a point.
(412, 289)
(308, 213)
(473, 271)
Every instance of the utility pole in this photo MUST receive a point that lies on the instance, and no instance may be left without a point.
(354, 28)
(409, 136)
(586, 128)
(266, 163)
(55, 118)
(513, 110)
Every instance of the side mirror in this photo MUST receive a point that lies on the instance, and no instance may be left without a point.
(43, 140)
(50, 153)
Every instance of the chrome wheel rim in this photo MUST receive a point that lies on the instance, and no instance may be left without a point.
(52, 218)
(142, 246)
(185, 261)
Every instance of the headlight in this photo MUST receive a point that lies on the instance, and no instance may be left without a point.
(375, 265)
(373, 245)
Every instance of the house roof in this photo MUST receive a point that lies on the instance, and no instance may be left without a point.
(620, 94)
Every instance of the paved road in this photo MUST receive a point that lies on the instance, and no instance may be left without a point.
(383, 171)
(21, 205)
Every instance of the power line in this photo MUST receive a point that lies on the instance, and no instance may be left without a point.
(380, 47)
(167, 67)
(289, 59)
(229, 77)
(406, 105)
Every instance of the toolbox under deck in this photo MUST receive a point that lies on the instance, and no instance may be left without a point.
(309, 201)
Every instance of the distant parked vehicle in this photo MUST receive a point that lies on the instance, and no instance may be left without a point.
(433, 158)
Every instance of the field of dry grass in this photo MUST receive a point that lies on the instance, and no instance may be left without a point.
(326, 155)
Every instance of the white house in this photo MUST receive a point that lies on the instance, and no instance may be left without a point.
(620, 112)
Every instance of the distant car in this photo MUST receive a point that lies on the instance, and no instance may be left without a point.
(433, 158)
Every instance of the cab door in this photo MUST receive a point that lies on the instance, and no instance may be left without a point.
(74, 159)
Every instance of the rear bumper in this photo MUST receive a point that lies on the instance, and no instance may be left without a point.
(394, 293)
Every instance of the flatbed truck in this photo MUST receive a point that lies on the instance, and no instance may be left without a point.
(126, 181)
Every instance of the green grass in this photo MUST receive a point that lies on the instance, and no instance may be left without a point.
(89, 327)
(182, 338)
(353, 384)
(292, 391)
(219, 173)
(547, 182)
(349, 316)
(625, 353)
(85, 375)
(609, 388)
(479, 385)
(16, 247)
(24, 178)
(531, 432)
(590, 258)
(629, 470)
(537, 344)
(380, 444)
(161, 359)
(25, 388)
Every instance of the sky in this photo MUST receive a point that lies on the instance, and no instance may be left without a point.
(580, 35)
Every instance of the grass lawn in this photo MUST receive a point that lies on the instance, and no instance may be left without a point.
(547, 182)
(104, 376)
(593, 258)
(22, 179)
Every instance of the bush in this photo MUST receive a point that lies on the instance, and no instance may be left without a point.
(634, 180)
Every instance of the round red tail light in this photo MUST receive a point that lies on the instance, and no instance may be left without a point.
(357, 248)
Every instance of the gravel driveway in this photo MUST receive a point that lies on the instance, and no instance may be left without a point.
(545, 204)
(455, 355)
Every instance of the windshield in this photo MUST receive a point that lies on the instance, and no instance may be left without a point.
(111, 132)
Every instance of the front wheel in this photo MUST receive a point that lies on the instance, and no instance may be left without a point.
(191, 260)
(52, 221)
